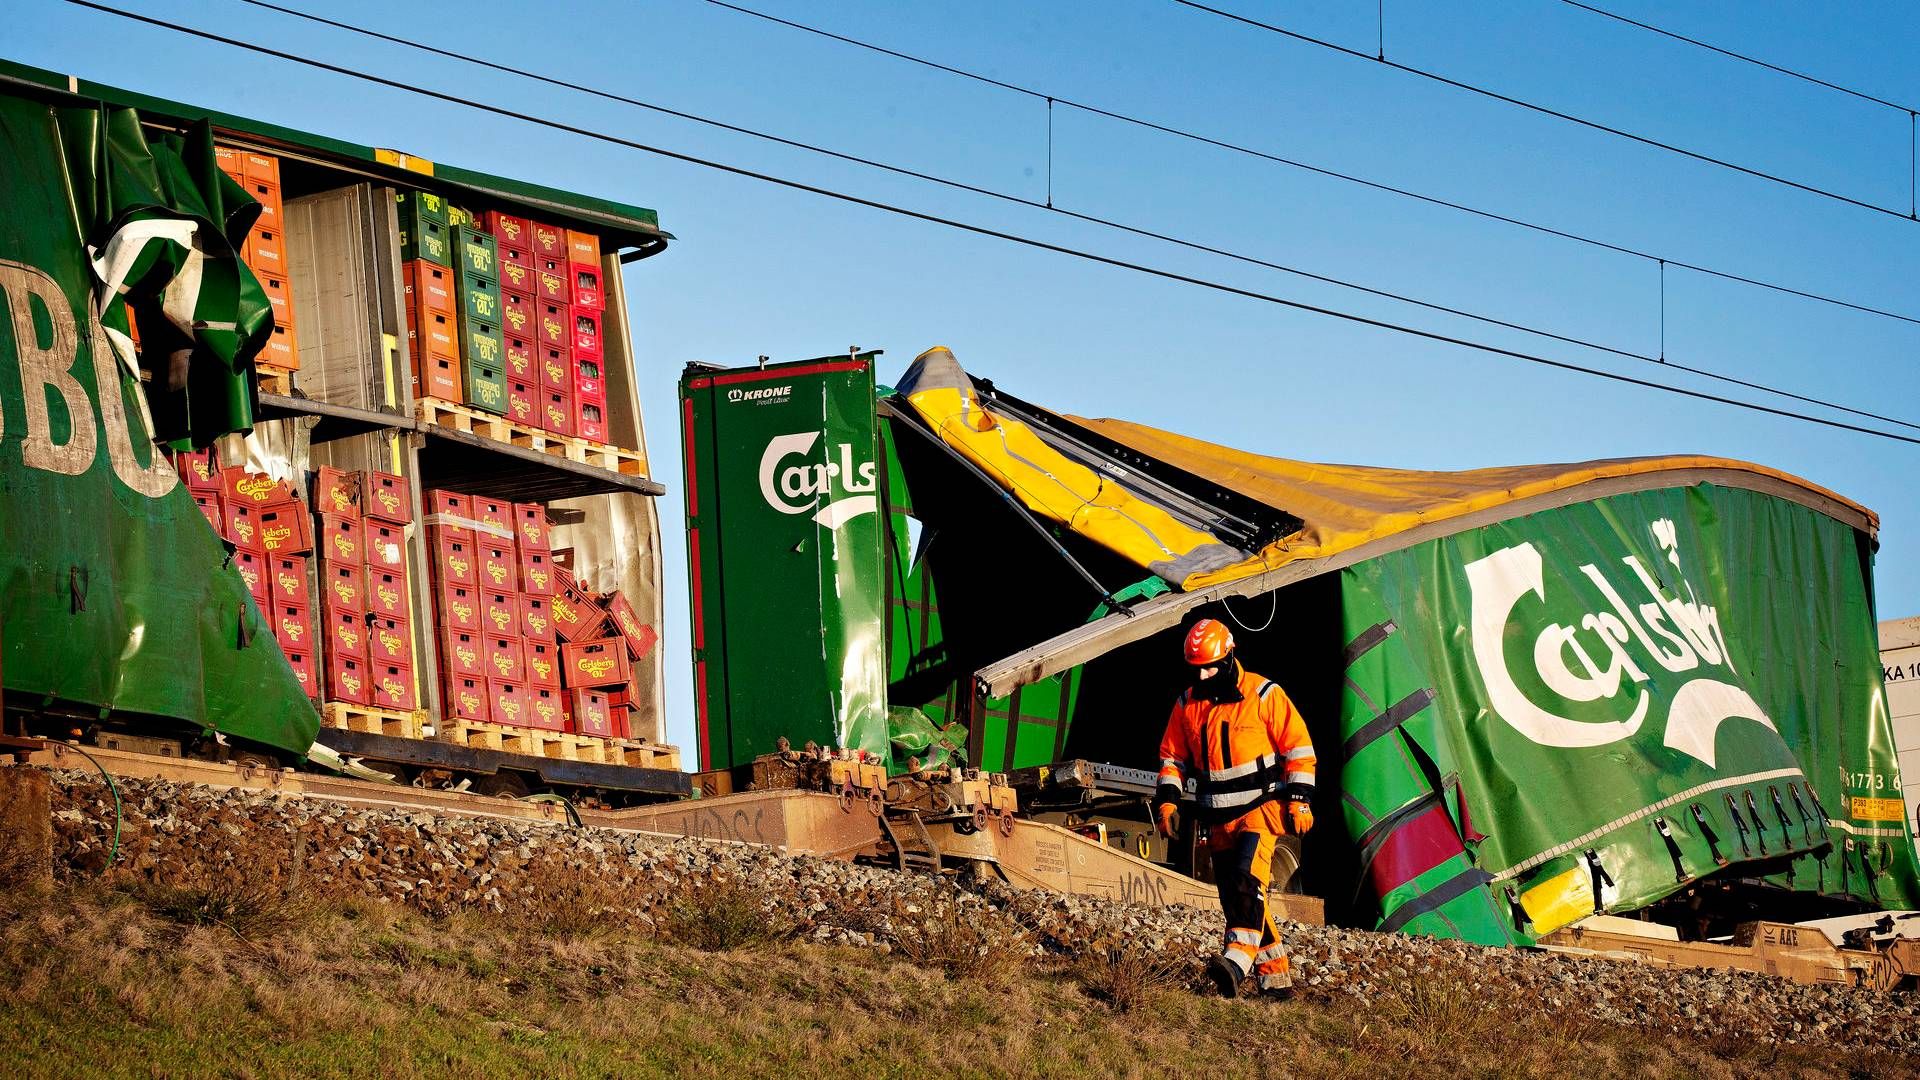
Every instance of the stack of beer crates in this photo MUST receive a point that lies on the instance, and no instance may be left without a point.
(268, 527)
(433, 321)
(476, 281)
(553, 310)
(365, 609)
(265, 251)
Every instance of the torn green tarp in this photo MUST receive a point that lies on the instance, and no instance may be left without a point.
(114, 593)
(163, 228)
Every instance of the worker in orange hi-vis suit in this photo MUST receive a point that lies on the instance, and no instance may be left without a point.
(1238, 736)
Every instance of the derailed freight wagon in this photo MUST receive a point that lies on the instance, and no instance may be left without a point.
(1537, 693)
(331, 354)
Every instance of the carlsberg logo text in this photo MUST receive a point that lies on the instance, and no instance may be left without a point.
(836, 490)
(1607, 654)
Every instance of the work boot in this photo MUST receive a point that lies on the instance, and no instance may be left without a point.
(1225, 976)
(1277, 993)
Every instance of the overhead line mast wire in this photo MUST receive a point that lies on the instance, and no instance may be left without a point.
(1544, 110)
(981, 230)
(1093, 219)
(1240, 148)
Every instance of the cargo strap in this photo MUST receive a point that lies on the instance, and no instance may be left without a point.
(1780, 811)
(77, 582)
(1733, 809)
(1706, 830)
(1439, 896)
(1403, 710)
(1759, 826)
(1517, 911)
(1806, 819)
(1600, 878)
(1673, 849)
(1371, 636)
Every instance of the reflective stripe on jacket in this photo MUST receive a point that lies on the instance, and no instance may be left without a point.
(1242, 755)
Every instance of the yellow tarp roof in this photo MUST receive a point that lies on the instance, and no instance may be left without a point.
(1344, 506)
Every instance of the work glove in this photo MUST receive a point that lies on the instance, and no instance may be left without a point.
(1167, 816)
(1299, 815)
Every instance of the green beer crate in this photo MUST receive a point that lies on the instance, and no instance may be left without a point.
(478, 252)
(479, 298)
(483, 354)
(423, 228)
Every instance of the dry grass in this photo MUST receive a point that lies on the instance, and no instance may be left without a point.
(719, 913)
(1126, 976)
(962, 944)
(93, 982)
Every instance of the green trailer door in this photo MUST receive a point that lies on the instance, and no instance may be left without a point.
(785, 560)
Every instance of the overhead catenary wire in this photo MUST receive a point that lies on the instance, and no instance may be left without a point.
(982, 230)
(1546, 110)
(1740, 56)
(1049, 205)
(1332, 174)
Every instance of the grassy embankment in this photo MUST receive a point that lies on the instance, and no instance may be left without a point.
(145, 983)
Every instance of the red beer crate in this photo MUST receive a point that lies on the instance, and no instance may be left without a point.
(388, 498)
(523, 359)
(253, 490)
(342, 540)
(287, 582)
(209, 504)
(591, 714)
(392, 687)
(530, 520)
(517, 312)
(389, 640)
(557, 415)
(197, 469)
(509, 230)
(496, 515)
(343, 588)
(346, 633)
(459, 607)
(347, 679)
(536, 574)
(240, 527)
(499, 611)
(252, 568)
(293, 627)
(592, 422)
(386, 545)
(465, 698)
(544, 708)
(521, 399)
(585, 328)
(301, 661)
(517, 272)
(449, 504)
(387, 593)
(589, 378)
(549, 241)
(507, 702)
(495, 562)
(543, 663)
(463, 652)
(556, 367)
(536, 618)
(638, 635)
(336, 492)
(587, 292)
(505, 658)
(552, 324)
(595, 663)
(453, 558)
(576, 617)
(285, 529)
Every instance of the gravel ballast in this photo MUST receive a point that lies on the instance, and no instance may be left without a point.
(197, 837)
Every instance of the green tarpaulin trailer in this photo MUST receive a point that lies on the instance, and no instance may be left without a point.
(1544, 691)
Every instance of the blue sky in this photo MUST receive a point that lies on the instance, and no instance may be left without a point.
(761, 270)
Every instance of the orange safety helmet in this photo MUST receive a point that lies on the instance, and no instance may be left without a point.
(1208, 642)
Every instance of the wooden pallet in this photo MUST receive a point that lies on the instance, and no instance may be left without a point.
(472, 421)
(350, 717)
(559, 745)
(274, 380)
(640, 754)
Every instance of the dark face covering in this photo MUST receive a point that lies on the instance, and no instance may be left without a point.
(1224, 687)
